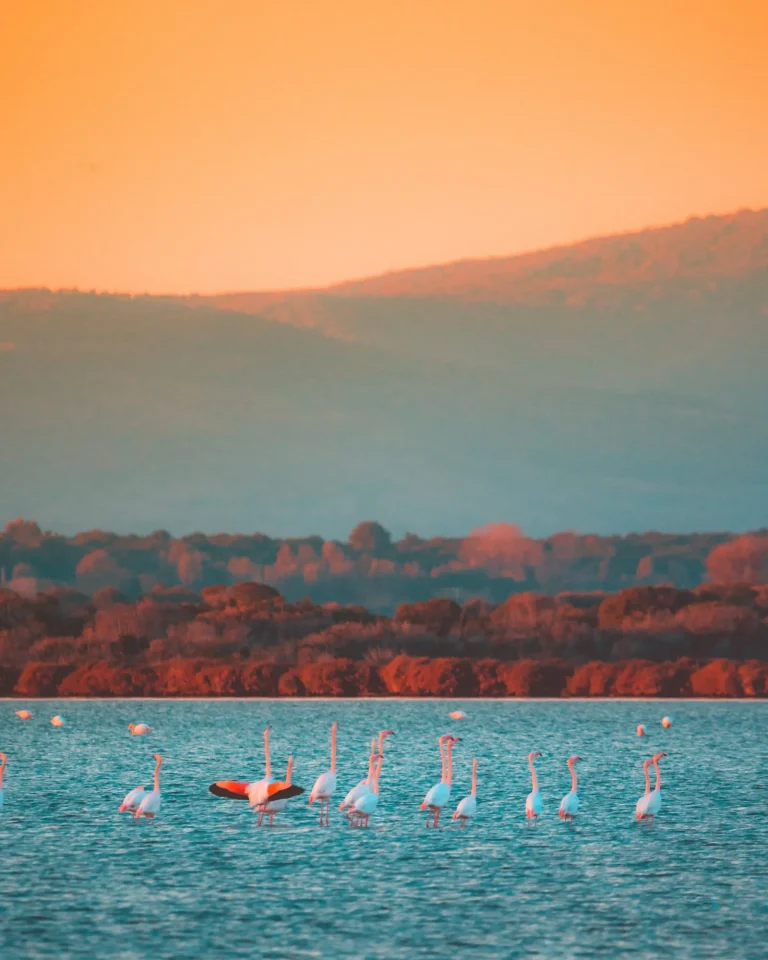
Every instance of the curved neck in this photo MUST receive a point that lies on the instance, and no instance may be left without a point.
(572, 768)
(647, 778)
(333, 748)
(658, 774)
(442, 757)
(157, 776)
(534, 781)
(371, 762)
(266, 754)
(382, 735)
(289, 771)
(474, 777)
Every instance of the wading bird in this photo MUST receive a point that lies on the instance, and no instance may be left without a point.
(468, 806)
(57, 721)
(132, 801)
(150, 802)
(641, 806)
(369, 802)
(365, 786)
(533, 800)
(139, 729)
(276, 805)
(325, 785)
(569, 805)
(654, 797)
(440, 794)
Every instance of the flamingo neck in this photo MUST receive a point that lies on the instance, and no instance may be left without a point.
(268, 764)
(658, 775)
(448, 748)
(157, 777)
(572, 768)
(371, 762)
(333, 748)
(647, 778)
(377, 774)
(442, 757)
(474, 778)
(534, 780)
(289, 771)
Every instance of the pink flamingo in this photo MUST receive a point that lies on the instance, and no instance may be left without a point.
(440, 794)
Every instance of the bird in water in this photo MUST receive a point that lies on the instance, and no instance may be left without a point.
(640, 730)
(325, 785)
(150, 802)
(367, 805)
(654, 797)
(642, 803)
(366, 785)
(467, 807)
(132, 800)
(24, 714)
(57, 721)
(139, 729)
(457, 715)
(533, 805)
(569, 805)
(440, 794)
(666, 722)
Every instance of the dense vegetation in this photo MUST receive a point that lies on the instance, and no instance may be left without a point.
(495, 614)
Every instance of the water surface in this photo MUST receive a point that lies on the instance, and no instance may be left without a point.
(77, 880)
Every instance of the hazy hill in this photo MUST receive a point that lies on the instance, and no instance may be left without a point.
(616, 384)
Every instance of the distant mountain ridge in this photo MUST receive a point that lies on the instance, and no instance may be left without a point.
(616, 384)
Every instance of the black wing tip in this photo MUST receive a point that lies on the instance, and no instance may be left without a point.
(219, 791)
(286, 793)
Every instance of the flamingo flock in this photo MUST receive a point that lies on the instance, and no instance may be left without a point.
(268, 796)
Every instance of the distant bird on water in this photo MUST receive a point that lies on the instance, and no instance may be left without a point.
(457, 715)
(139, 729)
(57, 721)
(666, 723)
(569, 805)
(533, 804)
(640, 730)
(24, 714)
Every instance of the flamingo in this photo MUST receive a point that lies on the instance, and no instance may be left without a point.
(139, 729)
(641, 806)
(132, 801)
(365, 785)
(457, 715)
(369, 802)
(569, 805)
(266, 796)
(468, 806)
(640, 730)
(440, 794)
(325, 785)
(150, 802)
(533, 800)
(57, 721)
(666, 722)
(24, 714)
(3, 761)
(275, 806)
(654, 797)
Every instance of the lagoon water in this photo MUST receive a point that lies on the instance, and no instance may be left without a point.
(78, 880)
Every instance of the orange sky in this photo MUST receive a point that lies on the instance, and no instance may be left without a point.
(207, 145)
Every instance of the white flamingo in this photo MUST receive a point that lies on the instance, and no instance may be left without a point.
(569, 805)
(24, 714)
(150, 802)
(275, 806)
(533, 804)
(369, 802)
(132, 801)
(139, 729)
(3, 761)
(654, 797)
(440, 794)
(641, 806)
(257, 790)
(365, 785)
(468, 806)
(325, 785)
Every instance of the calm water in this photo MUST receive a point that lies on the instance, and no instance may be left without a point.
(79, 880)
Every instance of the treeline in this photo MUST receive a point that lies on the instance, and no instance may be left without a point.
(249, 639)
(373, 570)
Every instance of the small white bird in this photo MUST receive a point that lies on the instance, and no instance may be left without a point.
(666, 722)
(569, 805)
(24, 714)
(132, 801)
(325, 785)
(139, 729)
(468, 806)
(640, 730)
(457, 715)
(533, 805)
(150, 802)
(57, 721)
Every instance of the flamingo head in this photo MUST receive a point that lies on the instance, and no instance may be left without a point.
(268, 729)
(387, 733)
(657, 756)
(131, 727)
(532, 756)
(574, 759)
(157, 757)
(454, 740)
(444, 738)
